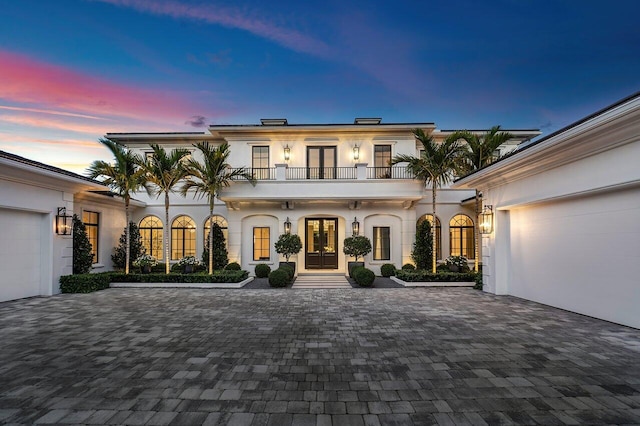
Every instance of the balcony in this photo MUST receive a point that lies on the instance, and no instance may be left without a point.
(283, 183)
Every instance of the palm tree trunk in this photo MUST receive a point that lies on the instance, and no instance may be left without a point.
(166, 233)
(476, 232)
(127, 256)
(211, 237)
(435, 221)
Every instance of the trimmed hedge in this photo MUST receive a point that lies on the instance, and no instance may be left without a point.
(408, 267)
(84, 283)
(262, 270)
(279, 278)
(388, 270)
(364, 277)
(233, 266)
(428, 276)
(289, 270)
(217, 277)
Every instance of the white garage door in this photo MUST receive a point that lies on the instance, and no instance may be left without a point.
(581, 255)
(20, 254)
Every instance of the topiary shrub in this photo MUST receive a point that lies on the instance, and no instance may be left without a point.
(82, 257)
(233, 266)
(278, 278)
(423, 245)
(408, 267)
(289, 270)
(353, 271)
(220, 254)
(288, 245)
(364, 277)
(262, 270)
(136, 249)
(388, 270)
(357, 246)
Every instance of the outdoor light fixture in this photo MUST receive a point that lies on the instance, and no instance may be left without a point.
(486, 220)
(63, 222)
(287, 153)
(356, 152)
(355, 226)
(287, 226)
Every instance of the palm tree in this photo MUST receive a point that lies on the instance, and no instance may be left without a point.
(207, 178)
(124, 177)
(435, 166)
(163, 171)
(476, 154)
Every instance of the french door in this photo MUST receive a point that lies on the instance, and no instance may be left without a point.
(321, 243)
(321, 162)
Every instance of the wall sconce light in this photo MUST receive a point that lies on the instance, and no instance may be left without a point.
(287, 153)
(287, 226)
(356, 152)
(486, 220)
(355, 226)
(63, 222)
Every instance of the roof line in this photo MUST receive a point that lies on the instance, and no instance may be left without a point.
(47, 167)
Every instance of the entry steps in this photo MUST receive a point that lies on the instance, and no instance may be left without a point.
(321, 281)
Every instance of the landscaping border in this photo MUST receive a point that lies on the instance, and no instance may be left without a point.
(434, 283)
(182, 285)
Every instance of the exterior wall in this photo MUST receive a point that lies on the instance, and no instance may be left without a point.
(54, 251)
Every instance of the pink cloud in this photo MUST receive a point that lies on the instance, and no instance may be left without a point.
(232, 18)
(55, 124)
(27, 81)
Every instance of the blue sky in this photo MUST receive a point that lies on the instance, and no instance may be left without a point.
(72, 70)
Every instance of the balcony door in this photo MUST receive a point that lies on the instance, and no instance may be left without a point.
(321, 243)
(321, 162)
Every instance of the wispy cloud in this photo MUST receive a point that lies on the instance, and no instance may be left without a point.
(43, 123)
(51, 112)
(232, 18)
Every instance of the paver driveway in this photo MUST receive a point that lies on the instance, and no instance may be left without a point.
(342, 357)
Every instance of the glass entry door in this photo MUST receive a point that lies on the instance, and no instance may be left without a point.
(321, 243)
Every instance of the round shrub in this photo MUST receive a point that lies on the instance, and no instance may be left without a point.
(408, 267)
(262, 270)
(289, 270)
(233, 266)
(388, 270)
(354, 270)
(364, 277)
(278, 278)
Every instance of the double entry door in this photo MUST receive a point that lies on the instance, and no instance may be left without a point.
(321, 162)
(321, 243)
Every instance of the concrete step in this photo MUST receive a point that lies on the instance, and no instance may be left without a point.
(321, 281)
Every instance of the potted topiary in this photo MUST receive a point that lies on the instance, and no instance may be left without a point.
(188, 264)
(145, 263)
(356, 246)
(288, 245)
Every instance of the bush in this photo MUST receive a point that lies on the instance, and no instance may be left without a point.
(421, 276)
(388, 270)
(457, 263)
(354, 270)
(136, 249)
(289, 270)
(408, 267)
(84, 283)
(357, 246)
(423, 245)
(201, 277)
(220, 254)
(279, 278)
(233, 266)
(82, 257)
(262, 270)
(288, 245)
(364, 277)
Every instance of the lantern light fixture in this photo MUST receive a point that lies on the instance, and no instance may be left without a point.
(287, 226)
(63, 222)
(486, 220)
(287, 153)
(356, 152)
(355, 226)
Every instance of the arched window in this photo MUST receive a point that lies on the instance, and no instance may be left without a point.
(429, 217)
(183, 237)
(151, 233)
(461, 236)
(222, 223)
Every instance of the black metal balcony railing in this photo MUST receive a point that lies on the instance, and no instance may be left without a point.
(314, 173)
(266, 173)
(388, 173)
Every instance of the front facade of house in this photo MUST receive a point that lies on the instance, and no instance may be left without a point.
(323, 182)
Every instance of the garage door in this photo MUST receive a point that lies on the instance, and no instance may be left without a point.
(581, 255)
(20, 254)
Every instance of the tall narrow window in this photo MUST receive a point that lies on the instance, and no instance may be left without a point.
(151, 235)
(260, 162)
(381, 243)
(222, 223)
(183, 237)
(382, 160)
(461, 236)
(438, 233)
(91, 222)
(261, 243)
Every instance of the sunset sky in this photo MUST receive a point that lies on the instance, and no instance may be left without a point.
(72, 70)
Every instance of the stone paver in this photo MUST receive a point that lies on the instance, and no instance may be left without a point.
(313, 357)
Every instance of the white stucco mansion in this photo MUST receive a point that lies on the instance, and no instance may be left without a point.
(566, 229)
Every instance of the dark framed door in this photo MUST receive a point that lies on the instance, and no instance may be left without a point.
(321, 162)
(321, 248)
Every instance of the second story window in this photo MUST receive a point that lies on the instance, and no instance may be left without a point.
(382, 160)
(260, 162)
